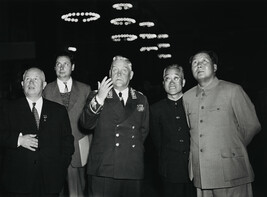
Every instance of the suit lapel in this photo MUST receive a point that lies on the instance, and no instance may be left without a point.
(130, 104)
(44, 115)
(27, 115)
(116, 106)
(55, 93)
(74, 95)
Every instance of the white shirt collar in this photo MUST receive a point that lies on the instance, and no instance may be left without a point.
(124, 93)
(38, 106)
(61, 85)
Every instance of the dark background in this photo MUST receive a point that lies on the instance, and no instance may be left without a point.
(32, 31)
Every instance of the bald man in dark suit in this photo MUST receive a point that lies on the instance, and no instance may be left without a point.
(38, 146)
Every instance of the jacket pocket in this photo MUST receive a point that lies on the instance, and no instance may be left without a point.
(234, 165)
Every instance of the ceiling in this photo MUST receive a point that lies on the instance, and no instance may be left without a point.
(235, 29)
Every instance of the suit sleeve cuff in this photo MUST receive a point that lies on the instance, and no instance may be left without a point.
(95, 105)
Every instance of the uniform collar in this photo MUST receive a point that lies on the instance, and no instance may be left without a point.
(208, 88)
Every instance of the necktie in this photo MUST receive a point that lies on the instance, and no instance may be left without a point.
(66, 87)
(35, 113)
(121, 99)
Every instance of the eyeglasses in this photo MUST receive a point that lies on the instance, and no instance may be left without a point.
(174, 79)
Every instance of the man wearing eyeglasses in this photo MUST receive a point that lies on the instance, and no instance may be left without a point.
(119, 116)
(222, 121)
(170, 135)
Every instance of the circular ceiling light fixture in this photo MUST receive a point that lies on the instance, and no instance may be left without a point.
(146, 24)
(164, 45)
(163, 36)
(123, 37)
(147, 36)
(122, 6)
(122, 21)
(74, 49)
(148, 48)
(80, 16)
(164, 56)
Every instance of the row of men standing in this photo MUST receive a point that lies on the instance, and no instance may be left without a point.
(42, 154)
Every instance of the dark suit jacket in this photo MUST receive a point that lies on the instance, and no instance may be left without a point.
(170, 135)
(117, 148)
(78, 96)
(53, 155)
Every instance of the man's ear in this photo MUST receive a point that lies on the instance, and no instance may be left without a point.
(44, 84)
(21, 83)
(183, 83)
(72, 67)
(131, 74)
(215, 67)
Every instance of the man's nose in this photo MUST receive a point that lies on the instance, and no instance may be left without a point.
(199, 64)
(119, 72)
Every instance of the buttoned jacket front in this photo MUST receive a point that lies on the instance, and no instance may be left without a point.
(222, 122)
(170, 135)
(117, 149)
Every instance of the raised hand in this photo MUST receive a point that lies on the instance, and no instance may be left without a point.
(103, 88)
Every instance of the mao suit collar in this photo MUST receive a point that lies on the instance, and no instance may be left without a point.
(206, 90)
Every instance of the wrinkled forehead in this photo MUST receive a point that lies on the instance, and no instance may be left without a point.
(34, 73)
(63, 58)
(120, 63)
(172, 71)
(201, 56)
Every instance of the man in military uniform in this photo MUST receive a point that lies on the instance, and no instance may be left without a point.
(119, 116)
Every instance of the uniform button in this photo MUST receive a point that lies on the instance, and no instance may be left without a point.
(132, 136)
(181, 141)
(201, 150)
(200, 135)
(133, 127)
(179, 129)
(177, 117)
(202, 107)
(117, 144)
(233, 154)
(184, 152)
(117, 135)
(133, 145)
(201, 121)
(117, 125)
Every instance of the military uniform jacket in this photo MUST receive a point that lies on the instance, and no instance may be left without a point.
(222, 123)
(170, 134)
(78, 96)
(117, 148)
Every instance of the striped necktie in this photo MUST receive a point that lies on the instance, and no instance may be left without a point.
(35, 113)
